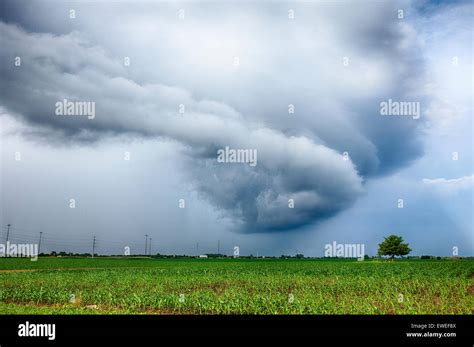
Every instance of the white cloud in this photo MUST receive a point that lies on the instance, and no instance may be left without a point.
(452, 185)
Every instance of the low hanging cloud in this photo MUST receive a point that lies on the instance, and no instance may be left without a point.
(304, 166)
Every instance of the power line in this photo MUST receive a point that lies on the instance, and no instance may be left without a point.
(93, 248)
(146, 242)
(8, 231)
(15, 239)
(61, 239)
(39, 242)
(30, 233)
(50, 242)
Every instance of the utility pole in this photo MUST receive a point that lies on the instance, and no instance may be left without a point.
(39, 242)
(8, 231)
(93, 248)
(146, 242)
(149, 247)
(197, 248)
(218, 246)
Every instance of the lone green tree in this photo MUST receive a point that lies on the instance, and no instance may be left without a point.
(393, 246)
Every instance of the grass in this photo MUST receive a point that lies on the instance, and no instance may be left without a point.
(235, 286)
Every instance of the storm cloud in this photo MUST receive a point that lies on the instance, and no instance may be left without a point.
(206, 82)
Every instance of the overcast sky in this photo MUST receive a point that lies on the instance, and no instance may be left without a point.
(173, 83)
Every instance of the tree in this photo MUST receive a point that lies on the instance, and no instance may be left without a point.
(393, 246)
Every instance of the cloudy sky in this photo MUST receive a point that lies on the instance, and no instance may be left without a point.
(299, 83)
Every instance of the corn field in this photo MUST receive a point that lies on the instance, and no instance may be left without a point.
(235, 286)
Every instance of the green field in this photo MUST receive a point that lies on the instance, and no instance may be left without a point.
(235, 286)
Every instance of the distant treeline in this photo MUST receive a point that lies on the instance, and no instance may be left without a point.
(216, 255)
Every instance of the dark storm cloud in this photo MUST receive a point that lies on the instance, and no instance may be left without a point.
(299, 158)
